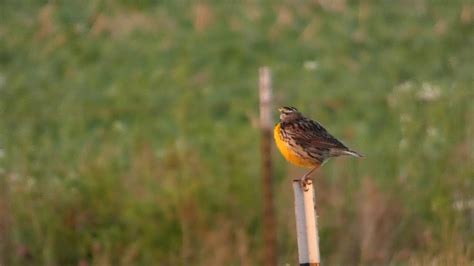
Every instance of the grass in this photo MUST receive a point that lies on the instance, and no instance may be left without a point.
(128, 130)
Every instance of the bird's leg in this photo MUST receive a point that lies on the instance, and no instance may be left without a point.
(306, 180)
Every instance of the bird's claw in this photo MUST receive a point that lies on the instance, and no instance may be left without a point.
(306, 182)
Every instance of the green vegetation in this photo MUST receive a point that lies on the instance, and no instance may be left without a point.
(128, 130)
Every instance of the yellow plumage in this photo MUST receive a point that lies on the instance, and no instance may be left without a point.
(289, 153)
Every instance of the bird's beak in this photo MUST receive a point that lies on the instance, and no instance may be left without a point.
(280, 109)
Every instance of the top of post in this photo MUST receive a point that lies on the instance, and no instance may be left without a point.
(265, 89)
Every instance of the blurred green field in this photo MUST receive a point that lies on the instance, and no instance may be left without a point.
(128, 130)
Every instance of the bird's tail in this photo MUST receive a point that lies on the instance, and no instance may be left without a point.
(353, 153)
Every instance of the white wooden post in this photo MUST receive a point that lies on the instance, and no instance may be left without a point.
(306, 224)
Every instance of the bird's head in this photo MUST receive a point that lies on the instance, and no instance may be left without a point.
(288, 113)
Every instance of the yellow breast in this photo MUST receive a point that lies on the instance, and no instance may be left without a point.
(289, 152)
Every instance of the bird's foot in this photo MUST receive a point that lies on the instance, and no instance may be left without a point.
(305, 182)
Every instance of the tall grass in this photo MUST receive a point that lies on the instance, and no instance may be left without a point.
(128, 130)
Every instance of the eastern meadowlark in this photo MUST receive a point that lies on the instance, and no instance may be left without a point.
(306, 143)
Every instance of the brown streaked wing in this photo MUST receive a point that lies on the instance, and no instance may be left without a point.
(314, 135)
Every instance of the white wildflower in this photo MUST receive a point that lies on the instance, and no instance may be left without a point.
(311, 65)
(405, 87)
(461, 205)
(432, 132)
(118, 126)
(428, 92)
(398, 93)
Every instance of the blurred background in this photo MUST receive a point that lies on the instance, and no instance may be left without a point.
(129, 130)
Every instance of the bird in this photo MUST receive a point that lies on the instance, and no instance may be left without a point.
(306, 143)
